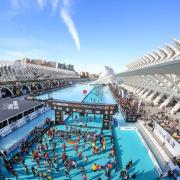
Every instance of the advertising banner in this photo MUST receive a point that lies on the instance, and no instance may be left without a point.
(59, 118)
(106, 122)
(83, 107)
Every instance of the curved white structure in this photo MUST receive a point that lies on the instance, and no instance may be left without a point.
(106, 77)
(156, 77)
(17, 71)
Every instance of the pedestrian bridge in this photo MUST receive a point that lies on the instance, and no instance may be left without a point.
(106, 77)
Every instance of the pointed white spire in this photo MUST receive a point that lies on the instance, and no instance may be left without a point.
(171, 51)
(163, 54)
(177, 43)
(152, 58)
(145, 61)
(157, 56)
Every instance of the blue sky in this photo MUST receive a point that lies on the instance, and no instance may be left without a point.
(87, 33)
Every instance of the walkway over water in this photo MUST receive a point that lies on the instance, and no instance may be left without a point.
(75, 93)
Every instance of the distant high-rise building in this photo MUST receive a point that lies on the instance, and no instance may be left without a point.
(84, 74)
(53, 64)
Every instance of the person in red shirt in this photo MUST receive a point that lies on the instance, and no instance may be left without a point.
(63, 157)
(64, 146)
(39, 156)
(46, 156)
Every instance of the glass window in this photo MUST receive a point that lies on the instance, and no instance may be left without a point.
(12, 120)
(19, 116)
(38, 107)
(28, 112)
(3, 124)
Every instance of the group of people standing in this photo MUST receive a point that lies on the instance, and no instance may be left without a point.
(50, 154)
(9, 160)
(45, 153)
(124, 174)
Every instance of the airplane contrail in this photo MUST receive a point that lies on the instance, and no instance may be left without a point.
(69, 23)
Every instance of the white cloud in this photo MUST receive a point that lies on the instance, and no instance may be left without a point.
(14, 4)
(19, 7)
(13, 10)
(17, 4)
(15, 54)
(66, 2)
(41, 3)
(65, 15)
(20, 42)
(54, 4)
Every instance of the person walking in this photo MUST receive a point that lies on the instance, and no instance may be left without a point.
(26, 169)
(67, 173)
(84, 176)
(33, 170)
(85, 159)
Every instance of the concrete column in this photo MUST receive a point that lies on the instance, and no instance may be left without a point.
(149, 98)
(175, 108)
(142, 92)
(166, 102)
(134, 90)
(157, 99)
(138, 90)
(146, 94)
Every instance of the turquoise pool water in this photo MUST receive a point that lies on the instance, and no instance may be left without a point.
(75, 93)
(96, 95)
(100, 159)
(130, 147)
(100, 95)
(133, 150)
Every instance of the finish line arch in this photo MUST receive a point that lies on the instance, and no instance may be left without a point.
(107, 110)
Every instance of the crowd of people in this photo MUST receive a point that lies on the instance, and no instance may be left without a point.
(51, 156)
(124, 174)
(170, 125)
(8, 160)
(151, 114)
(128, 105)
(46, 159)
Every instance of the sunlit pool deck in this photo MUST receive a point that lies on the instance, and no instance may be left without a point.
(129, 143)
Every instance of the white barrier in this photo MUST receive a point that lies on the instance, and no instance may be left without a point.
(128, 128)
(171, 144)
